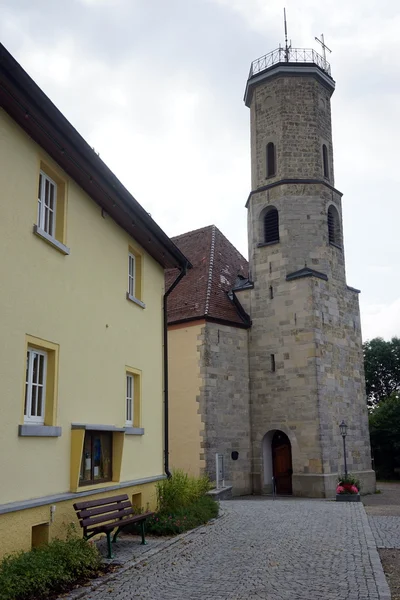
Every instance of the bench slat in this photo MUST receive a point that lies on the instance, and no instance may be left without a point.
(115, 516)
(88, 512)
(101, 502)
(121, 523)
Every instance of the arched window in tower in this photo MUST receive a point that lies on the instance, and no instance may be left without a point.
(271, 225)
(325, 160)
(334, 233)
(271, 159)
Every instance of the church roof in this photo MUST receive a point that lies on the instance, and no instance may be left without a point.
(217, 269)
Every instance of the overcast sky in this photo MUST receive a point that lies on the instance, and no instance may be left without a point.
(156, 87)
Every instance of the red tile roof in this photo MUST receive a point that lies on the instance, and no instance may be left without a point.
(202, 293)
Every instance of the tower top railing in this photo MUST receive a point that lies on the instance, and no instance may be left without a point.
(289, 55)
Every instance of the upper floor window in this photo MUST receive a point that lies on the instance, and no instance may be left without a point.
(271, 226)
(271, 159)
(35, 386)
(51, 208)
(325, 160)
(134, 292)
(47, 198)
(334, 233)
(131, 274)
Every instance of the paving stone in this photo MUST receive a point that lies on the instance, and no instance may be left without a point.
(283, 550)
(386, 531)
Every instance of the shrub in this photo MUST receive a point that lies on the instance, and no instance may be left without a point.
(47, 569)
(180, 491)
(183, 519)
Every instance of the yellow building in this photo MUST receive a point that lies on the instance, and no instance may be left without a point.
(82, 324)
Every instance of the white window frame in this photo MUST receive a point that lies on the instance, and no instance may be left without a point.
(130, 397)
(32, 387)
(131, 274)
(44, 209)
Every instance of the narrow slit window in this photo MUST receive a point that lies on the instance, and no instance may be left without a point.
(271, 226)
(334, 232)
(129, 399)
(47, 197)
(271, 159)
(325, 160)
(131, 274)
(273, 365)
(271, 292)
(35, 386)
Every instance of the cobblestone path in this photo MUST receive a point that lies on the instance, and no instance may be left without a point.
(283, 550)
(386, 531)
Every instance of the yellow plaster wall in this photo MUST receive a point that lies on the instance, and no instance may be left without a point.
(185, 424)
(16, 527)
(78, 302)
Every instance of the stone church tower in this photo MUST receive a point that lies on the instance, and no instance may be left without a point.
(305, 347)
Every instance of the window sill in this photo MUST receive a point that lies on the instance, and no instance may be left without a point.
(83, 487)
(50, 240)
(38, 431)
(135, 300)
(270, 176)
(89, 427)
(134, 431)
(267, 244)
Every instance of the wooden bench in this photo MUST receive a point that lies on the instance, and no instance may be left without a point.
(106, 514)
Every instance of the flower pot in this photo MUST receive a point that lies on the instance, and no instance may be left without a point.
(347, 497)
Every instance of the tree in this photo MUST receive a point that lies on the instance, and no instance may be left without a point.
(384, 424)
(382, 369)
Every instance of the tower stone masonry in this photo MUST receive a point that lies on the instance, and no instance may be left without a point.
(305, 347)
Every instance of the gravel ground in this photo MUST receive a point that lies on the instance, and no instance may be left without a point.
(384, 516)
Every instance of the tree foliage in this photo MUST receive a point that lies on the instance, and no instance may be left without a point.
(382, 368)
(384, 424)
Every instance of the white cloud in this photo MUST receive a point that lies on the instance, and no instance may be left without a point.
(157, 89)
(382, 320)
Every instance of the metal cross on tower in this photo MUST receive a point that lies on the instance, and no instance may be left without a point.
(324, 49)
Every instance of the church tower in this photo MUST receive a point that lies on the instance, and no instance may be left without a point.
(305, 346)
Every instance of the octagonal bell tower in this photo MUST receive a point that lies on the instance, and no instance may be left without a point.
(306, 365)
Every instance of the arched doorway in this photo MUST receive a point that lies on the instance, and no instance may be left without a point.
(282, 462)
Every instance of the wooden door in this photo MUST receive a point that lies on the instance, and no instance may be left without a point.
(282, 463)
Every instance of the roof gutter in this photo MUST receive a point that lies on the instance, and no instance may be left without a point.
(166, 390)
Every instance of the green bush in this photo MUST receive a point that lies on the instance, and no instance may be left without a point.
(47, 569)
(384, 425)
(180, 490)
(183, 519)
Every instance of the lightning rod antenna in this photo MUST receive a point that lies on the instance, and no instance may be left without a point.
(287, 48)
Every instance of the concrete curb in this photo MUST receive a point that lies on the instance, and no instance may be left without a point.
(96, 583)
(380, 578)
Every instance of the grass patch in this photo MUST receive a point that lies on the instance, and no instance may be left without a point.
(182, 504)
(183, 519)
(48, 569)
(180, 491)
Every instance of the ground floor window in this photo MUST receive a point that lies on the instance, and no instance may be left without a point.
(35, 386)
(96, 465)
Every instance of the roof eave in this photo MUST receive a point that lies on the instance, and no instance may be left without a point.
(34, 112)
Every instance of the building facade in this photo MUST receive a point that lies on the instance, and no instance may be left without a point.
(82, 283)
(303, 337)
(208, 362)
